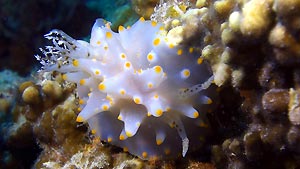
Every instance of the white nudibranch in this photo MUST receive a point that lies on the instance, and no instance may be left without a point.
(136, 89)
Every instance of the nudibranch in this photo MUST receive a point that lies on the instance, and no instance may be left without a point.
(136, 89)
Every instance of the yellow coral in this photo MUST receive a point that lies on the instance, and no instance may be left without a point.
(144, 7)
(256, 18)
(31, 95)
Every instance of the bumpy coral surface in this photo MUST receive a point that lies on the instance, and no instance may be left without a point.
(137, 90)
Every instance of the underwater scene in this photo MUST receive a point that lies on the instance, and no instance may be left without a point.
(150, 84)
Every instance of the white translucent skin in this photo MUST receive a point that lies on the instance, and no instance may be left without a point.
(136, 89)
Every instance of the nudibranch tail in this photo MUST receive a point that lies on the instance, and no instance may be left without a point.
(136, 89)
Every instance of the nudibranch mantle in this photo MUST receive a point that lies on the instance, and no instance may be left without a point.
(136, 89)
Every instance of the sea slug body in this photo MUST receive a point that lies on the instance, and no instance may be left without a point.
(136, 89)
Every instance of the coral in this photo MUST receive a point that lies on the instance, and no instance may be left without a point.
(58, 127)
(62, 141)
(256, 18)
(91, 156)
(224, 7)
(144, 7)
(39, 117)
(122, 162)
(294, 110)
(31, 95)
(15, 130)
(288, 14)
(286, 46)
(9, 82)
(52, 89)
(168, 11)
(199, 165)
(5, 104)
(275, 100)
(254, 51)
(50, 119)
